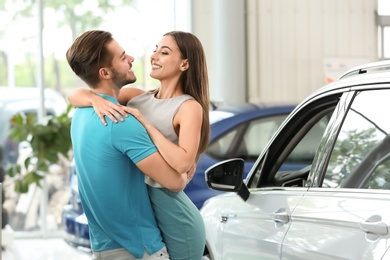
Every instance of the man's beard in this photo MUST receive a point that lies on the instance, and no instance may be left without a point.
(121, 80)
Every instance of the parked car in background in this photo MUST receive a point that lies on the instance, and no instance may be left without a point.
(25, 100)
(236, 131)
(337, 205)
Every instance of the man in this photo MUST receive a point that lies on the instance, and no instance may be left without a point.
(111, 160)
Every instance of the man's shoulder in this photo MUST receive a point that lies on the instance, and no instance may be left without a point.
(129, 120)
(130, 125)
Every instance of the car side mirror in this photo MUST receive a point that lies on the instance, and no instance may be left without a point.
(228, 176)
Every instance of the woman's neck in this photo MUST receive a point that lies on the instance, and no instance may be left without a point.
(169, 91)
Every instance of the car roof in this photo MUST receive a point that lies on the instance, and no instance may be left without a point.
(376, 73)
(10, 94)
(243, 109)
(383, 65)
(26, 99)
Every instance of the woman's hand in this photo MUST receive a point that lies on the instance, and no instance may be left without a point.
(104, 107)
(138, 115)
(191, 172)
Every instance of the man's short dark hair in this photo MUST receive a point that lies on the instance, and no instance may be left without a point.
(88, 54)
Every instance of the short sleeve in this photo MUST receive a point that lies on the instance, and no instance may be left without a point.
(132, 139)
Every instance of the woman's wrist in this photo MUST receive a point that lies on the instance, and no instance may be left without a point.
(93, 96)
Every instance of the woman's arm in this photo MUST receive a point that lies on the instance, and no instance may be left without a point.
(188, 120)
(158, 169)
(81, 97)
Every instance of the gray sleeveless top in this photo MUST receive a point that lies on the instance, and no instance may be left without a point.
(160, 113)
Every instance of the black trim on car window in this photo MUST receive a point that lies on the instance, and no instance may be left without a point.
(286, 140)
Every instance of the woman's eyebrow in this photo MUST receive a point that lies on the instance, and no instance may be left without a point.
(164, 47)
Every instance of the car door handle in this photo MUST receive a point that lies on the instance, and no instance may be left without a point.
(280, 216)
(225, 215)
(374, 225)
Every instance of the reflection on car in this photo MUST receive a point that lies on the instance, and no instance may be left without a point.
(337, 206)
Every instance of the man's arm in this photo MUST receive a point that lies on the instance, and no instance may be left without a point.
(158, 169)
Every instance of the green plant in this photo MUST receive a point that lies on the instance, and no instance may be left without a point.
(48, 140)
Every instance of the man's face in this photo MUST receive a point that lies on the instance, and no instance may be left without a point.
(121, 65)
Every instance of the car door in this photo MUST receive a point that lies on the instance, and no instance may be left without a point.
(346, 212)
(255, 229)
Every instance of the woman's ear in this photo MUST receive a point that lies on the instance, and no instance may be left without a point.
(184, 65)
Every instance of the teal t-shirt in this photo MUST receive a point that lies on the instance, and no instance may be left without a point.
(112, 189)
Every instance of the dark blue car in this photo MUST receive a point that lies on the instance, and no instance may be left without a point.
(236, 131)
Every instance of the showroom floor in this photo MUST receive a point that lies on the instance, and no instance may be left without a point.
(42, 249)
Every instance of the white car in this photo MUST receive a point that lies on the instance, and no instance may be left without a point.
(337, 206)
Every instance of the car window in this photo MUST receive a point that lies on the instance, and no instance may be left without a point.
(379, 177)
(288, 159)
(247, 140)
(220, 147)
(360, 157)
(257, 135)
(303, 153)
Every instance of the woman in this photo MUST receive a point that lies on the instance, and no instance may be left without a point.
(176, 116)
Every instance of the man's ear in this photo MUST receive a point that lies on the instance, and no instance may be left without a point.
(104, 73)
(184, 65)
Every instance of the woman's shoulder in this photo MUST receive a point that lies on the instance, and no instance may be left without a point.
(189, 103)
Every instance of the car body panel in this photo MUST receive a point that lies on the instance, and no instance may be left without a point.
(340, 215)
(251, 228)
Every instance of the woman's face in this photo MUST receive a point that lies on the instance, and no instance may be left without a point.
(166, 60)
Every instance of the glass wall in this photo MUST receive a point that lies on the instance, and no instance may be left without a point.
(136, 25)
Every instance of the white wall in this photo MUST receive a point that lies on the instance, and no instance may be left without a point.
(294, 45)
(220, 25)
(283, 49)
